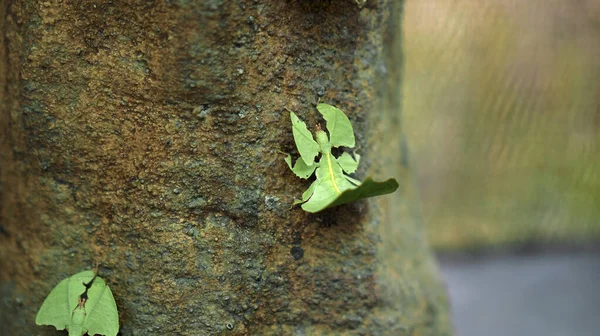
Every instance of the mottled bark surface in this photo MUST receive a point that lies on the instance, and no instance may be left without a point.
(143, 137)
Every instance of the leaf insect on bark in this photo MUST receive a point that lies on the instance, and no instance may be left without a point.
(81, 303)
(332, 185)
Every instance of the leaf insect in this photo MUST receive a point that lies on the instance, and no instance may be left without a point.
(81, 303)
(332, 185)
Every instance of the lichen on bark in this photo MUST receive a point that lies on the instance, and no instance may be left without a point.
(143, 137)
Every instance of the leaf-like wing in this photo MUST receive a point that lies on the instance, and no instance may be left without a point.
(331, 184)
(323, 195)
(348, 163)
(369, 188)
(102, 316)
(300, 168)
(338, 125)
(307, 146)
(62, 300)
(55, 310)
(308, 193)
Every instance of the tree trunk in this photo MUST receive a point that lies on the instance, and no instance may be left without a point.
(143, 137)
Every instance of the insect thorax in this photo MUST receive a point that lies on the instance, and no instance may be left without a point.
(323, 142)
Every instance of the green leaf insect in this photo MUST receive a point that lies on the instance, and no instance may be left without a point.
(82, 303)
(360, 3)
(333, 186)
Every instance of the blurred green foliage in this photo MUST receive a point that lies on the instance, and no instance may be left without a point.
(501, 104)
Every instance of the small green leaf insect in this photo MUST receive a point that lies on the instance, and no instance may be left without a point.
(332, 187)
(81, 303)
(360, 3)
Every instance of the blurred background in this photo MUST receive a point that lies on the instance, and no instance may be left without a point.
(502, 113)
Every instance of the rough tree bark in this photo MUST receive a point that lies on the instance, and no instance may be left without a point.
(143, 137)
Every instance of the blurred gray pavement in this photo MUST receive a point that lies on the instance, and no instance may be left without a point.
(550, 294)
